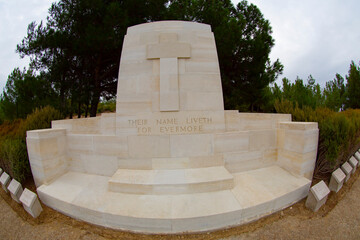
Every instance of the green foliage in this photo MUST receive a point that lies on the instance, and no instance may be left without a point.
(353, 86)
(23, 93)
(39, 119)
(299, 94)
(335, 93)
(13, 154)
(107, 106)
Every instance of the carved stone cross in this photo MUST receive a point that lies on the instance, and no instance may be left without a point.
(168, 50)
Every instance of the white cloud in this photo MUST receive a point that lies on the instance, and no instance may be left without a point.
(314, 37)
(15, 16)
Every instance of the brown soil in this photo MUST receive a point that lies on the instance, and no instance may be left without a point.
(338, 219)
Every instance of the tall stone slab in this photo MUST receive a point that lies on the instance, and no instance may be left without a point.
(169, 67)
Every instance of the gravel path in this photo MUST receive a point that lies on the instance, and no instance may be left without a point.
(338, 219)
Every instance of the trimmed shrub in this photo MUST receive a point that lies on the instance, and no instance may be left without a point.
(13, 151)
(39, 119)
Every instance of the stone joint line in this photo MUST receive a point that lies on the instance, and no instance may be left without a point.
(168, 50)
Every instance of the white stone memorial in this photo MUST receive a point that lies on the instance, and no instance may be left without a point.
(317, 196)
(337, 180)
(15, 190)
(357, 156)
(347, 169)
(171, 159)
(353, 163)
(31, 203)
(5, 180)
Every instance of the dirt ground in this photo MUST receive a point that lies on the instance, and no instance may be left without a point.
(338, 219)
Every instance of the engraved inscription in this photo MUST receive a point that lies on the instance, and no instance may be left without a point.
(171, 125)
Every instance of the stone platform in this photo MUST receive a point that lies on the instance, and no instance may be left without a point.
(255, 194)
(171, 159)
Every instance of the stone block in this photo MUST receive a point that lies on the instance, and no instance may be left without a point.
(108, 123)
(261, 140)
(201, 101)
(15, 190)
(31, 203)
(231, 142)
(100, 164)
(357, 156)
(110, 146)
(317, 196)
(134, 163)
(301, 141)
(297, 147)
(169, 85)
(149, 146)
(337, 180)
(257, 121)
(5, 180)
(192, 145)
(353, 162)
(168, 50)
(82, 125)
(47, 154)
(347, 169)
(204, 82)
(243, 161)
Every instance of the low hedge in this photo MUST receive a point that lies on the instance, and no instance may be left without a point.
(13, 152)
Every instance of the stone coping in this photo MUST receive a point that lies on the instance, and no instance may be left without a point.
(171, 24)
(45, 133)
(299, 125)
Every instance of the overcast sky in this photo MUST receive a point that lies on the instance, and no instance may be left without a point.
(318, 37)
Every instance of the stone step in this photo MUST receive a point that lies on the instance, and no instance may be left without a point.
(171, 163)
(256, 193)
(171, 181)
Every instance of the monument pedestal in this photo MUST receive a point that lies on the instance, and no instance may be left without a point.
(170, 159)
